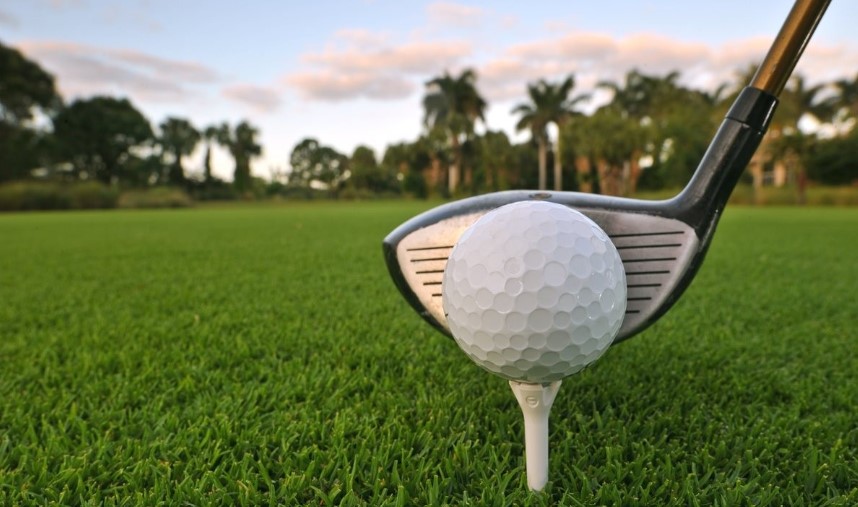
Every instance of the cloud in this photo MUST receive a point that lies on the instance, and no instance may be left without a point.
(260, 99)
(658, 54)
(328, 85)
(371, 67)
(360, 63)
(84, 69)
(7, 19)
(452, 14)
(584, 45)
(591, 56)
(415, 57)
(594, 57)
(360, 37)
(176, 69)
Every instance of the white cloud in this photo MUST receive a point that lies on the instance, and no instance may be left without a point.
(7, 19)
(260, 99)
(84, 69)
(415, 57)
(329, 85)
(595, 57)
(361, 37)
(373, 69)
(367, 64)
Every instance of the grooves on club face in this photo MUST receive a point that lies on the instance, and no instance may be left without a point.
(662, 243)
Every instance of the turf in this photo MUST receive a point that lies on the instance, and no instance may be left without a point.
(257, 356)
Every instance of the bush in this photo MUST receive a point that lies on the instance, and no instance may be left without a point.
(159, 197)
(834, 161)
(26, 196)
(92, 195)
(42, 195)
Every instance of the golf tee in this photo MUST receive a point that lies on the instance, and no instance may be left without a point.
(535, 401)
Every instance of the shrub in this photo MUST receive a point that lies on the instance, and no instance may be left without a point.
(27, 195)
(48, 195)
(834, 161)
(92, 195)
(160, 197)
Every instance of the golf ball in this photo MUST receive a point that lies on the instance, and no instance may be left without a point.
(534, 291)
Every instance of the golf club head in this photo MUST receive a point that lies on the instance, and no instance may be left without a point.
(662, 243)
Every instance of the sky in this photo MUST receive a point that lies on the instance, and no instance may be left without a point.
(353, 72)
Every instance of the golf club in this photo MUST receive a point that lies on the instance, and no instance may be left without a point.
(662, 243)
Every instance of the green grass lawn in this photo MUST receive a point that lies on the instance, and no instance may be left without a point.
(261, 355)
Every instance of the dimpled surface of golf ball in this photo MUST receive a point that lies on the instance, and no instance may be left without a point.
(534, 291)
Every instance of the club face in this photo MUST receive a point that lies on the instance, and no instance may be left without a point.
(660, 252)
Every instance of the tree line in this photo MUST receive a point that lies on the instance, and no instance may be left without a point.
(105, 139)
(649, 135)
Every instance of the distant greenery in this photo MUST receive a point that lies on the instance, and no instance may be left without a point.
(649, 136)
(36, 195)
(261, 355)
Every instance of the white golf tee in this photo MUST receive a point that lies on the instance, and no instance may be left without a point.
(535, 401)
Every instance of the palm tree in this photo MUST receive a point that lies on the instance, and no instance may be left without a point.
(674, 122)
(791, 145)
(210, 135)
(847, 97)
(178, 138)
(549, 103)
(535, 116)
(496, 158)
(562, 110)
(607, 140)
(453, 104)
(241, 143)
(643, 96)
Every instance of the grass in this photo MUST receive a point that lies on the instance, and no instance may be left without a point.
(261, 356)
(744, 194)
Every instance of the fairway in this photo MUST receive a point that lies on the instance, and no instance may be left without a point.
(261, 355)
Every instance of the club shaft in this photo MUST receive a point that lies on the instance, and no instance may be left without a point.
(773, 74)
(747, 121)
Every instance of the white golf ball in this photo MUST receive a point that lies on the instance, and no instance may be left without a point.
(534, 291)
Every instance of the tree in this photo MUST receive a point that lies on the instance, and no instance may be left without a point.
(210, 135)
(549, 103)
(25, 89)
(178, 138)
(241, 143)
(847, 96)
(786, 145)
(367, 174)
(534, 117)
(454, 105)
(98, 134)
(317, 166)
(676, 123)
(834, 161)
(497, 159)
(607, 140)
(407, 161)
